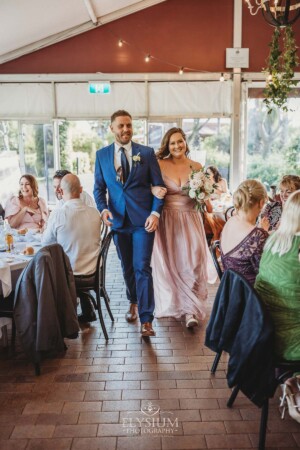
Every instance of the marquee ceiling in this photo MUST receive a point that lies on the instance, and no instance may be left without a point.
(26, 26)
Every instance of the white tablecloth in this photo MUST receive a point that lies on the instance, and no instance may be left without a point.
(5, 277)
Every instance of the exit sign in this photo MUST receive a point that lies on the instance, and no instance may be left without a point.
(102, 87)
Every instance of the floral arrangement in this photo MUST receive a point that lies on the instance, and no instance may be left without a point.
(199, 187)
(136, 159)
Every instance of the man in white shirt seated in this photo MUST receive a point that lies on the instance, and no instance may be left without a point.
(84, 196)
(76, 227)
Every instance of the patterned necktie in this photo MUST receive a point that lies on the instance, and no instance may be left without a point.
(125, 165)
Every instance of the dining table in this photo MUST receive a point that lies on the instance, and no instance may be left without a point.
(12, 264)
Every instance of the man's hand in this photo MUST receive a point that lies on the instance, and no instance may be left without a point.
(105, 216)
(151, 223)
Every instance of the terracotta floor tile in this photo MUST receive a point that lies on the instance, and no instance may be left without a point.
(97, 443)
(98, 417)
(83, 397)
(33, 431)
(13, 444)
(50, 444)
(75, 430)
(140, 442)
(183, 443)
(70, 407)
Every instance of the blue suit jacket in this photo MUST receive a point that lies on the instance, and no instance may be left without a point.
(135, 195)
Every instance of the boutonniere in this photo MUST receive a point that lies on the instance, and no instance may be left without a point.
(136, 159)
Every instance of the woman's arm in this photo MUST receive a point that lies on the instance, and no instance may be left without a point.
(16, 220)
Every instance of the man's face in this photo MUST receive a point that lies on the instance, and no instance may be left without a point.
(122, 129)
(56, 187)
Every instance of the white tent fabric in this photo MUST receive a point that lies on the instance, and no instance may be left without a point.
(152, 99)
(27, 25)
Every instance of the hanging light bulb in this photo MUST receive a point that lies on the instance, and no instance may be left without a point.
(147, 58)
(222, 78)
(181, 71)
(120, 43)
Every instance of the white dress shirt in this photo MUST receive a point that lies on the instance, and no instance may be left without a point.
(76, 227)
(84, 196)
(117, 154)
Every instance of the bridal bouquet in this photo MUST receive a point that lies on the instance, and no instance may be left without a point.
(199, 187)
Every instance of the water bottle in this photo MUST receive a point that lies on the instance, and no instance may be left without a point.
(2, 233)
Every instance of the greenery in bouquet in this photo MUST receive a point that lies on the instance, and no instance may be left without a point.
(199, 188)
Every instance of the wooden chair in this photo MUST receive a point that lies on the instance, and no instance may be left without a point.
(229, 212)
(213, 250)
(7, 310)
(98, 284)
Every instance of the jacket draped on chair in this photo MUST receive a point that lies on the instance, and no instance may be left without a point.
(45, 302)
(240, 326)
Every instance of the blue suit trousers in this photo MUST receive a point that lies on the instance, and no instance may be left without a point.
(134, 246)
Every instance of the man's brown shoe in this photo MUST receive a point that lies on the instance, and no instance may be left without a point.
(147, 330)
(132, 313)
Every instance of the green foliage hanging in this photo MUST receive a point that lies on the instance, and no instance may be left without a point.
(280, 71)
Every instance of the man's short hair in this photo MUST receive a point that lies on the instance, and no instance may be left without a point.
(119, 113)
(61, 173)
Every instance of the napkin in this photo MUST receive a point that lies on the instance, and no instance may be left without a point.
(5, 278)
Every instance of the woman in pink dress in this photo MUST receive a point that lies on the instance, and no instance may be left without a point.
(27, 210)
(180, 253)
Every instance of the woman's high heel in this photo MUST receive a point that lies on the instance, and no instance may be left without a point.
(290, 398)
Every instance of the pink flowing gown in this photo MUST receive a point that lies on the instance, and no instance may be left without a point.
(181, 262)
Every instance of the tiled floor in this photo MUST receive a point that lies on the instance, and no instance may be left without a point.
(130, 393)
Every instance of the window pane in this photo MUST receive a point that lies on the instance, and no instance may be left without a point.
(9, 160)
(156, 131)
(38, 156)
(273, 148)
(209, 142)
(79, 140)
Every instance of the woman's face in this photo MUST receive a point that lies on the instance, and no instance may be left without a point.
(25, 188)
(210, 174)
(285, 192)
(177, 145)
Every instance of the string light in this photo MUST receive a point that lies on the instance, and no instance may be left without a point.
(148, 57)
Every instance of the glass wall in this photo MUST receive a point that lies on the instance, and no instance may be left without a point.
(209, 141)
(10, 169)
(273, 140)
(79, 140)
(156, 131)
(37, 141)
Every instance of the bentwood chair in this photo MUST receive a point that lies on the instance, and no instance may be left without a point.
(214, 249)
(7, 310)
(229, 212)
(98, 284)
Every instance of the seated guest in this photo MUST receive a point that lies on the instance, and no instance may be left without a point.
(216, 178)
(242, 242)
(76, 227)
(273, 210)
(278, 280)
(84, 196)
(27, 210)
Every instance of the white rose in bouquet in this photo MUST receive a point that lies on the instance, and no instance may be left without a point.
(192, 193)
(201, 196)
(195, 184)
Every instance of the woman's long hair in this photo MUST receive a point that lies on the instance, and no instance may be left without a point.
(33, 184)
(282, 240)
(164, 151)
(216, 174)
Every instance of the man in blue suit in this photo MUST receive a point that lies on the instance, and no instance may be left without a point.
(126, 171)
